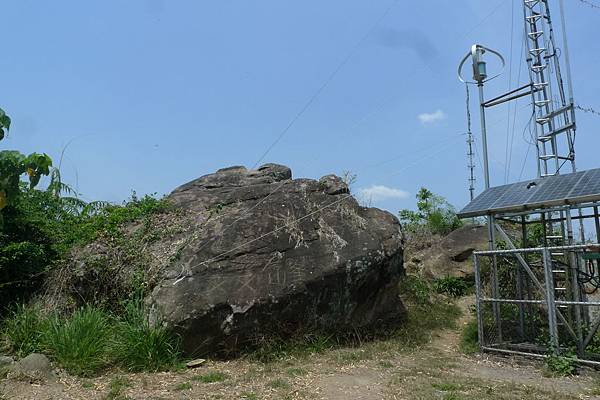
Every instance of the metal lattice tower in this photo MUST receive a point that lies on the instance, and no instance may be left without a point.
(470, 154)
(554, 112)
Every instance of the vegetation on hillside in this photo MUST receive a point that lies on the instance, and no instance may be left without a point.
(433, 214)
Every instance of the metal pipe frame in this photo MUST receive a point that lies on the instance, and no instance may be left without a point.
(549, 302)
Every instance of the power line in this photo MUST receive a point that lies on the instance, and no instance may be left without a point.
(512, 138)
(320, 90)
(510, 65)
(380, 104)
(590, 4)
(325, 84)
(588, 110)
(293, 222)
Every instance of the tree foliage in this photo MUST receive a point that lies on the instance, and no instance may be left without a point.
(433, 212)
(13, 165)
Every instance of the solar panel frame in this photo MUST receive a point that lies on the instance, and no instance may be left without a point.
(574, 188)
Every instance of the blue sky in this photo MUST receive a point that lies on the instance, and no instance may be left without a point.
(148, 94)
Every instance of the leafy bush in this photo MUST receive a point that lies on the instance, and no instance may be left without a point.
(433, 212)
(415, 289)
(139, 346)
(80, 343)
(558, 365)
(452, 286)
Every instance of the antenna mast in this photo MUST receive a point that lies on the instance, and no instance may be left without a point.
(470, 142)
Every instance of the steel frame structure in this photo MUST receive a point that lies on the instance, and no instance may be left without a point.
(539, 300)
(536, 301)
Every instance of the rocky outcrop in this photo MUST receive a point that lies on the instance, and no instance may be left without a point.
(265, 254)
(450, 255)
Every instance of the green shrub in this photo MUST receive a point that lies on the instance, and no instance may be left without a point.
(415, 289)
(433, 212)
(451, 286)
(79, 343)
(559, 365)
(23, 329)
(140, 346)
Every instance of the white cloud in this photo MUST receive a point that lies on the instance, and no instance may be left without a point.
(380, 192)
(428, 118)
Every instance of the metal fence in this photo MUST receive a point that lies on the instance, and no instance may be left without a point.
(539, 301)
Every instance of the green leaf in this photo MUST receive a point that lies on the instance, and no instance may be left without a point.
(5, 122)
(1, 133)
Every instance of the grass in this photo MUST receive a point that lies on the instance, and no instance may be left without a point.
(116, 386)
(79, 343)
(23, 330)
(296, 371)
(139, 346)
(446, 387)
(90, 339)
(279, 383)
(211, 377)
(183, 386)
(273, 349)
(469, 342)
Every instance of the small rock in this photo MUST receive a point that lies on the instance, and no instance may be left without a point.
(35, 366)
(6, 361)
(195, 363)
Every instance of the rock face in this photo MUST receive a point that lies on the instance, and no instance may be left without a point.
(267, 254)
(451, 255)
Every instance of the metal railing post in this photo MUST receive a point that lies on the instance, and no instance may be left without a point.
(550, 301)
(478, 301)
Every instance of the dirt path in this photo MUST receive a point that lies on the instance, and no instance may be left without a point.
(375, 371)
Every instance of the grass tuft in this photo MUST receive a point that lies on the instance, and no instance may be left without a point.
(22, 331)
(79, 343)
(91, 339)
(139, 346)
(116, 386)
(183, 386)
(279, 383)
(211, 377)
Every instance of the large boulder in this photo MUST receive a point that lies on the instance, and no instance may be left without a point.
(449, 256)
(264, 254)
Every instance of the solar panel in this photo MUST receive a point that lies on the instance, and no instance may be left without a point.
(545, 192)
(485, 199)
(590, 183)
(556, 187)
(517, 193)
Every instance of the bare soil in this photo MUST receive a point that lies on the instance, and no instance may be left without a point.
(375, 371)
